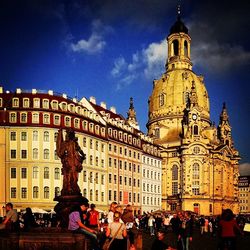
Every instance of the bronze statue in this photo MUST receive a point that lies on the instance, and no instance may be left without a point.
(71, 157)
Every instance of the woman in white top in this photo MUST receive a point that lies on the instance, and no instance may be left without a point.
(119, 229)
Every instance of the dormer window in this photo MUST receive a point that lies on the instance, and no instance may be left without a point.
(63, 106)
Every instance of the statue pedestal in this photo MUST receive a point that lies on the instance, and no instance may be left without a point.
(65, 205)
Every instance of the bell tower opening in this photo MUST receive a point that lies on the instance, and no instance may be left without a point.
(176, 47)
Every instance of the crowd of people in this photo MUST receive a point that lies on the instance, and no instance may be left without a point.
(119, 228)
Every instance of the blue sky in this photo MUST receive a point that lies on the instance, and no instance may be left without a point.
(115, 49)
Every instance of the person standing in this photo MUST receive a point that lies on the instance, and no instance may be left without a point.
(112, 209)
(175, 224)
(11, 221)
(186, 231)
(227, 228)
(93, 218)
(117, 230)
(151, 223)
(29, 220)
(128, 219)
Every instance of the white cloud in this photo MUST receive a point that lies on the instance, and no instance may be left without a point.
(244, 169)
(95, 43)
(148, 63)
(213, 55)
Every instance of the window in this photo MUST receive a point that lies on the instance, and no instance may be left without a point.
(23, 117)
(35, 173)
(45, 103)
(77, 123)
(196, 179)
(46, 119)
(24, 193)
(102, 179)
(46, 136)
(161, 100)
(91, 177)
(46, 193)
(174, 180)
(54, 104)
(110, 195)
(13, 136)
(84, 175)
(13, 154)
(91, 160)
(24, 154)
(185, 48)
(56, 119)
(15, 102)
(23, 136)
(157, 133)
(67, 121)
(57, 191)
(57, 174)
(35, 135)
(23, 173)
(13, 192)
(64, 106)
(196, 150)
(35, 118)
(96, 195)
(102, 196)
(12, 117)
(91, 194)
(84, 142)
(13, 173)
(84, 192)
(36, 103)
(96, 161)
(96, 178)
(176, 47)
(35, 192)
(46, 173)
(196, 130)
(90, 143)
(35, 153)
(46, 154)
(26, 102)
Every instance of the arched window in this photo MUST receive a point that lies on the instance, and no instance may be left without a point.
(35, 192)
(46, 136)
(35, 172)
(35, 153)
(185, 48)
(35, 135)
(46, 154)
(196, 179)
(84, 192)
(174, 179)
(57, 191)
(176, 47)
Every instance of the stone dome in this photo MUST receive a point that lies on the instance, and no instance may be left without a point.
(175, 87)
(178, 27)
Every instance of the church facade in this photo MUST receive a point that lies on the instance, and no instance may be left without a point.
(200, 163)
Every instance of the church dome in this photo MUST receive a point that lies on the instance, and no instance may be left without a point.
(170, 94)
(178, 27)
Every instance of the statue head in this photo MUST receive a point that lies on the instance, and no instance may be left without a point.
(70, 134)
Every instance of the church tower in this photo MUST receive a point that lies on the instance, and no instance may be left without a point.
(131, 119)
(200, 164)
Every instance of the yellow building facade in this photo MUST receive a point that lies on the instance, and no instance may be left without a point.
(31, 169)
(200, 163)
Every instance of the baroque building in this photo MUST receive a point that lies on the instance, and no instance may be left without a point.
(31, 169)
(200, 162)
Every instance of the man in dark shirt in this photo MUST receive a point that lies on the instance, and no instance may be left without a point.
(176, 225)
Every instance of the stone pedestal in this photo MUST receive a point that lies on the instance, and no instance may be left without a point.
(65, 205)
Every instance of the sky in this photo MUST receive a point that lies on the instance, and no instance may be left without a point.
(113, 50)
